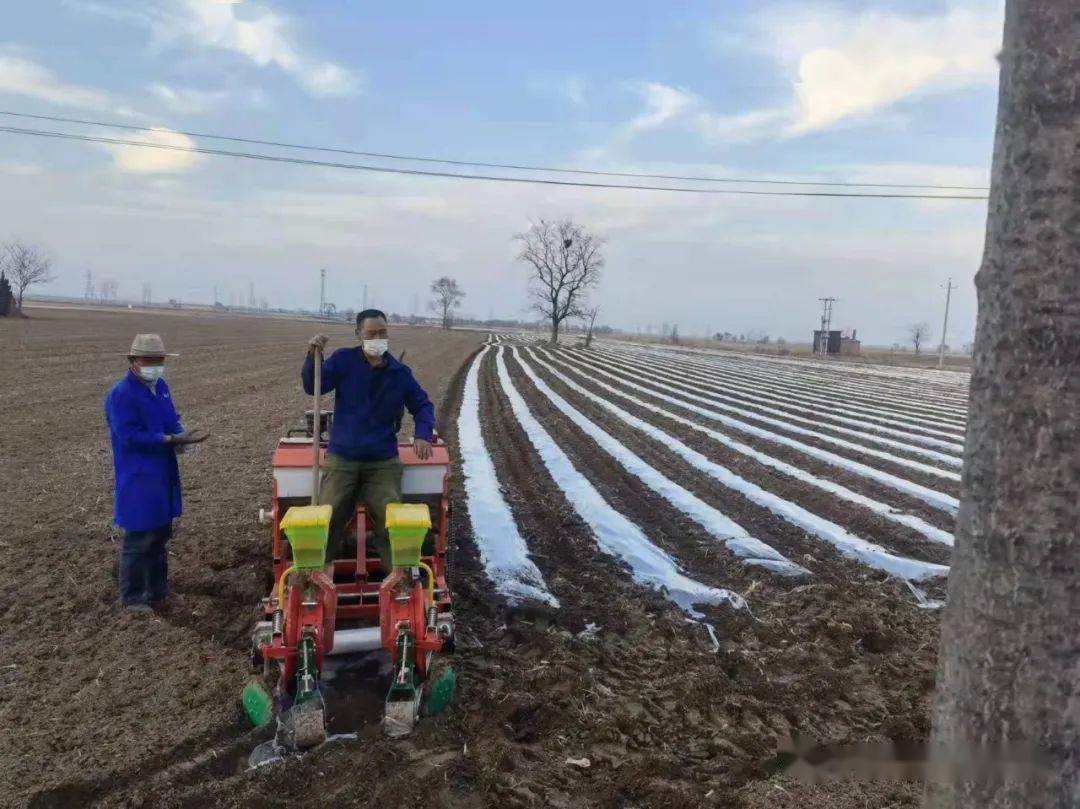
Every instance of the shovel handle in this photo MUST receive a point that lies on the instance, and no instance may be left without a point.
(316, 426)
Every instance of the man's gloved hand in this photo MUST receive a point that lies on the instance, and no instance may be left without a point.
(318, 342)
(187, 437)
(422, 448)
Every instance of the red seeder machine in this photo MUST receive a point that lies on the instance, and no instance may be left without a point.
(310, 615)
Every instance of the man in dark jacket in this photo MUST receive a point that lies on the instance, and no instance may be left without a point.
(362, 464)
(146, 434)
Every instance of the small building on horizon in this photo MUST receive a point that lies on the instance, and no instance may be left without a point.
(836, 343)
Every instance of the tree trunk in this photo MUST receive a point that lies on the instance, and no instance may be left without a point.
(554, 331)
(1010, 651)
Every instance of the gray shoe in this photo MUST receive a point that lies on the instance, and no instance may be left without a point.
(137, 608)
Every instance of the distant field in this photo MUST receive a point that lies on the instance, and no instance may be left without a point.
(879, 355)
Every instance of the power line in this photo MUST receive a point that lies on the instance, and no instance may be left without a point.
(513, 166)
(451, 175)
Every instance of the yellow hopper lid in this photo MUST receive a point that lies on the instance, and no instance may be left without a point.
(306, 517)
(408, 515)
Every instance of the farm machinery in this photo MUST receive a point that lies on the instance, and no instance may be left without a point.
(319, 608)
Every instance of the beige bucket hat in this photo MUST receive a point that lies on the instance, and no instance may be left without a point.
(149, 345)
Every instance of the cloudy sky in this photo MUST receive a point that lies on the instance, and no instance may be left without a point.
(883, 91)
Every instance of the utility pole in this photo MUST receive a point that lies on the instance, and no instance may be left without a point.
(322, 291)
(89, 285)
(826, 321)
(941, 347)
(365, 296)
(251, 294)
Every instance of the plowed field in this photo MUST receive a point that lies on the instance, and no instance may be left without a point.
(732, 550)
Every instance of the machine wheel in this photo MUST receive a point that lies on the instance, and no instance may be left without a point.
(439, 690)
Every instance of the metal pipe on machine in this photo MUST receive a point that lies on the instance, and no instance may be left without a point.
(350, 641)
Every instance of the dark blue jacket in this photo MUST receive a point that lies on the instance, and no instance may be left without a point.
(147, 475)
(367, 402)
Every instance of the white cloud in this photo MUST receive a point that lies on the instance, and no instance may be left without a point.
(678, 108)
(256, 32)
(21, 76)
(841, 68)
(186, 100)
(148, 160)
(663, 105)
(743, 127)
(846, 66)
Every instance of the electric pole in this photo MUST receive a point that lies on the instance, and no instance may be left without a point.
(322, 291)
(89, 285)
(826, 321)
(365, 296)
(941, 347)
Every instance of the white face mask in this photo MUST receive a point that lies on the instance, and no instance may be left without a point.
(376, 348)
(151, 373)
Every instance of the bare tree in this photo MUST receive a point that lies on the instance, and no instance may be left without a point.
(589, 319)
(918, 333)
(27, 265)
(566, 262)
(675, 334)
(1008, 661)
(107, 289)
(446, 296)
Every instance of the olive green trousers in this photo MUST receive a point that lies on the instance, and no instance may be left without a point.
(373, 483)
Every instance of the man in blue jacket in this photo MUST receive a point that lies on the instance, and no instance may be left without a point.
(146, 435)
(371, 388)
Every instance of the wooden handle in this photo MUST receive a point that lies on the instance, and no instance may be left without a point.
(316, 427)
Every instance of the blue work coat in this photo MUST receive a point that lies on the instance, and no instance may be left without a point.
(147, 476)
(367, 402)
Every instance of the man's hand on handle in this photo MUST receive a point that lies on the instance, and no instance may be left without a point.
(422, 448)
(317, 343)
(187, 437)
